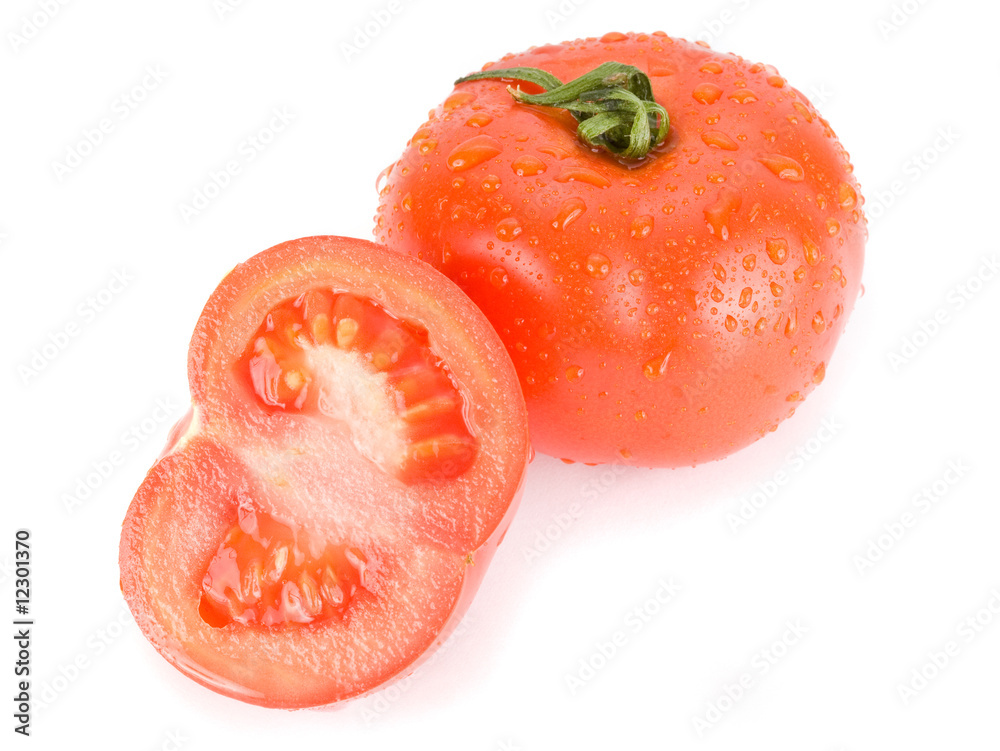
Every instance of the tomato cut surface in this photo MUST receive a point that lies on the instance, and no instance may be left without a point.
(354, 454)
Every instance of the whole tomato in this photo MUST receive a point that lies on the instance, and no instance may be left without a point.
(663, 305)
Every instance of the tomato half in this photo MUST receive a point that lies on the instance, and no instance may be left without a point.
(354, 454)
(661, 312)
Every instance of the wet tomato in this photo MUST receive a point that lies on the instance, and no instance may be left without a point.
(663, 305)
(322, 517)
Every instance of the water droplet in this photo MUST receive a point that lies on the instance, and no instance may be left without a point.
(382, 181)
(507, 229)
(457, 99)
(528, 165)
(759, 327)
(642, 226)
(692, 298)
(750, 262)
(776, 81)
(613, 36)
(583, 175)
(777, 249)
(832, 226)
(491, 183)
(554, 151)
(746, 296)
(654, 368)
(784, 167)
(792, 324)
(707, 93)
(636, 276)
(716, 294)
(574, 373)
(719, 271)
(820, 373)
(571, 208)
(777, 290)
(640, 415)
(804, 111)
(498, 277)
(479, 120)
(719, 140)
(743, 96)
(794, 397)
(731, 324)
(811, 251)
(473, 152)
(818, 324)
(652, 309)
(427, 145)
(598, 265)
(718, 214)
(711, 67)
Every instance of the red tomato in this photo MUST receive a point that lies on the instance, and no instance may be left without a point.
(355, 450)
(662, 312)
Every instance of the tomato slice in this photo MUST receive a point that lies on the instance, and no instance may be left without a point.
(354, 454)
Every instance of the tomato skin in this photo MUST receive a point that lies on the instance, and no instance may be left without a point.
(435, 540)
(664, 314)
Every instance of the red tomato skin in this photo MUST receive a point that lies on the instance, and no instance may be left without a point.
(180, 512)
(664, 314)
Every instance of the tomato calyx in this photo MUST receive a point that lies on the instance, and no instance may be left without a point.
(613, 104)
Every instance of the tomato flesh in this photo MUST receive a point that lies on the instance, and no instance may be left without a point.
(332, 353)
(266, 572)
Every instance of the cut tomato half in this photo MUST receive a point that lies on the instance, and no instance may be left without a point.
(355, 450)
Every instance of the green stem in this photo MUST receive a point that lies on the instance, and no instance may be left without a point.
(613, 105)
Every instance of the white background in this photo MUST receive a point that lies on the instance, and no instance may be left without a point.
(909, 88)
